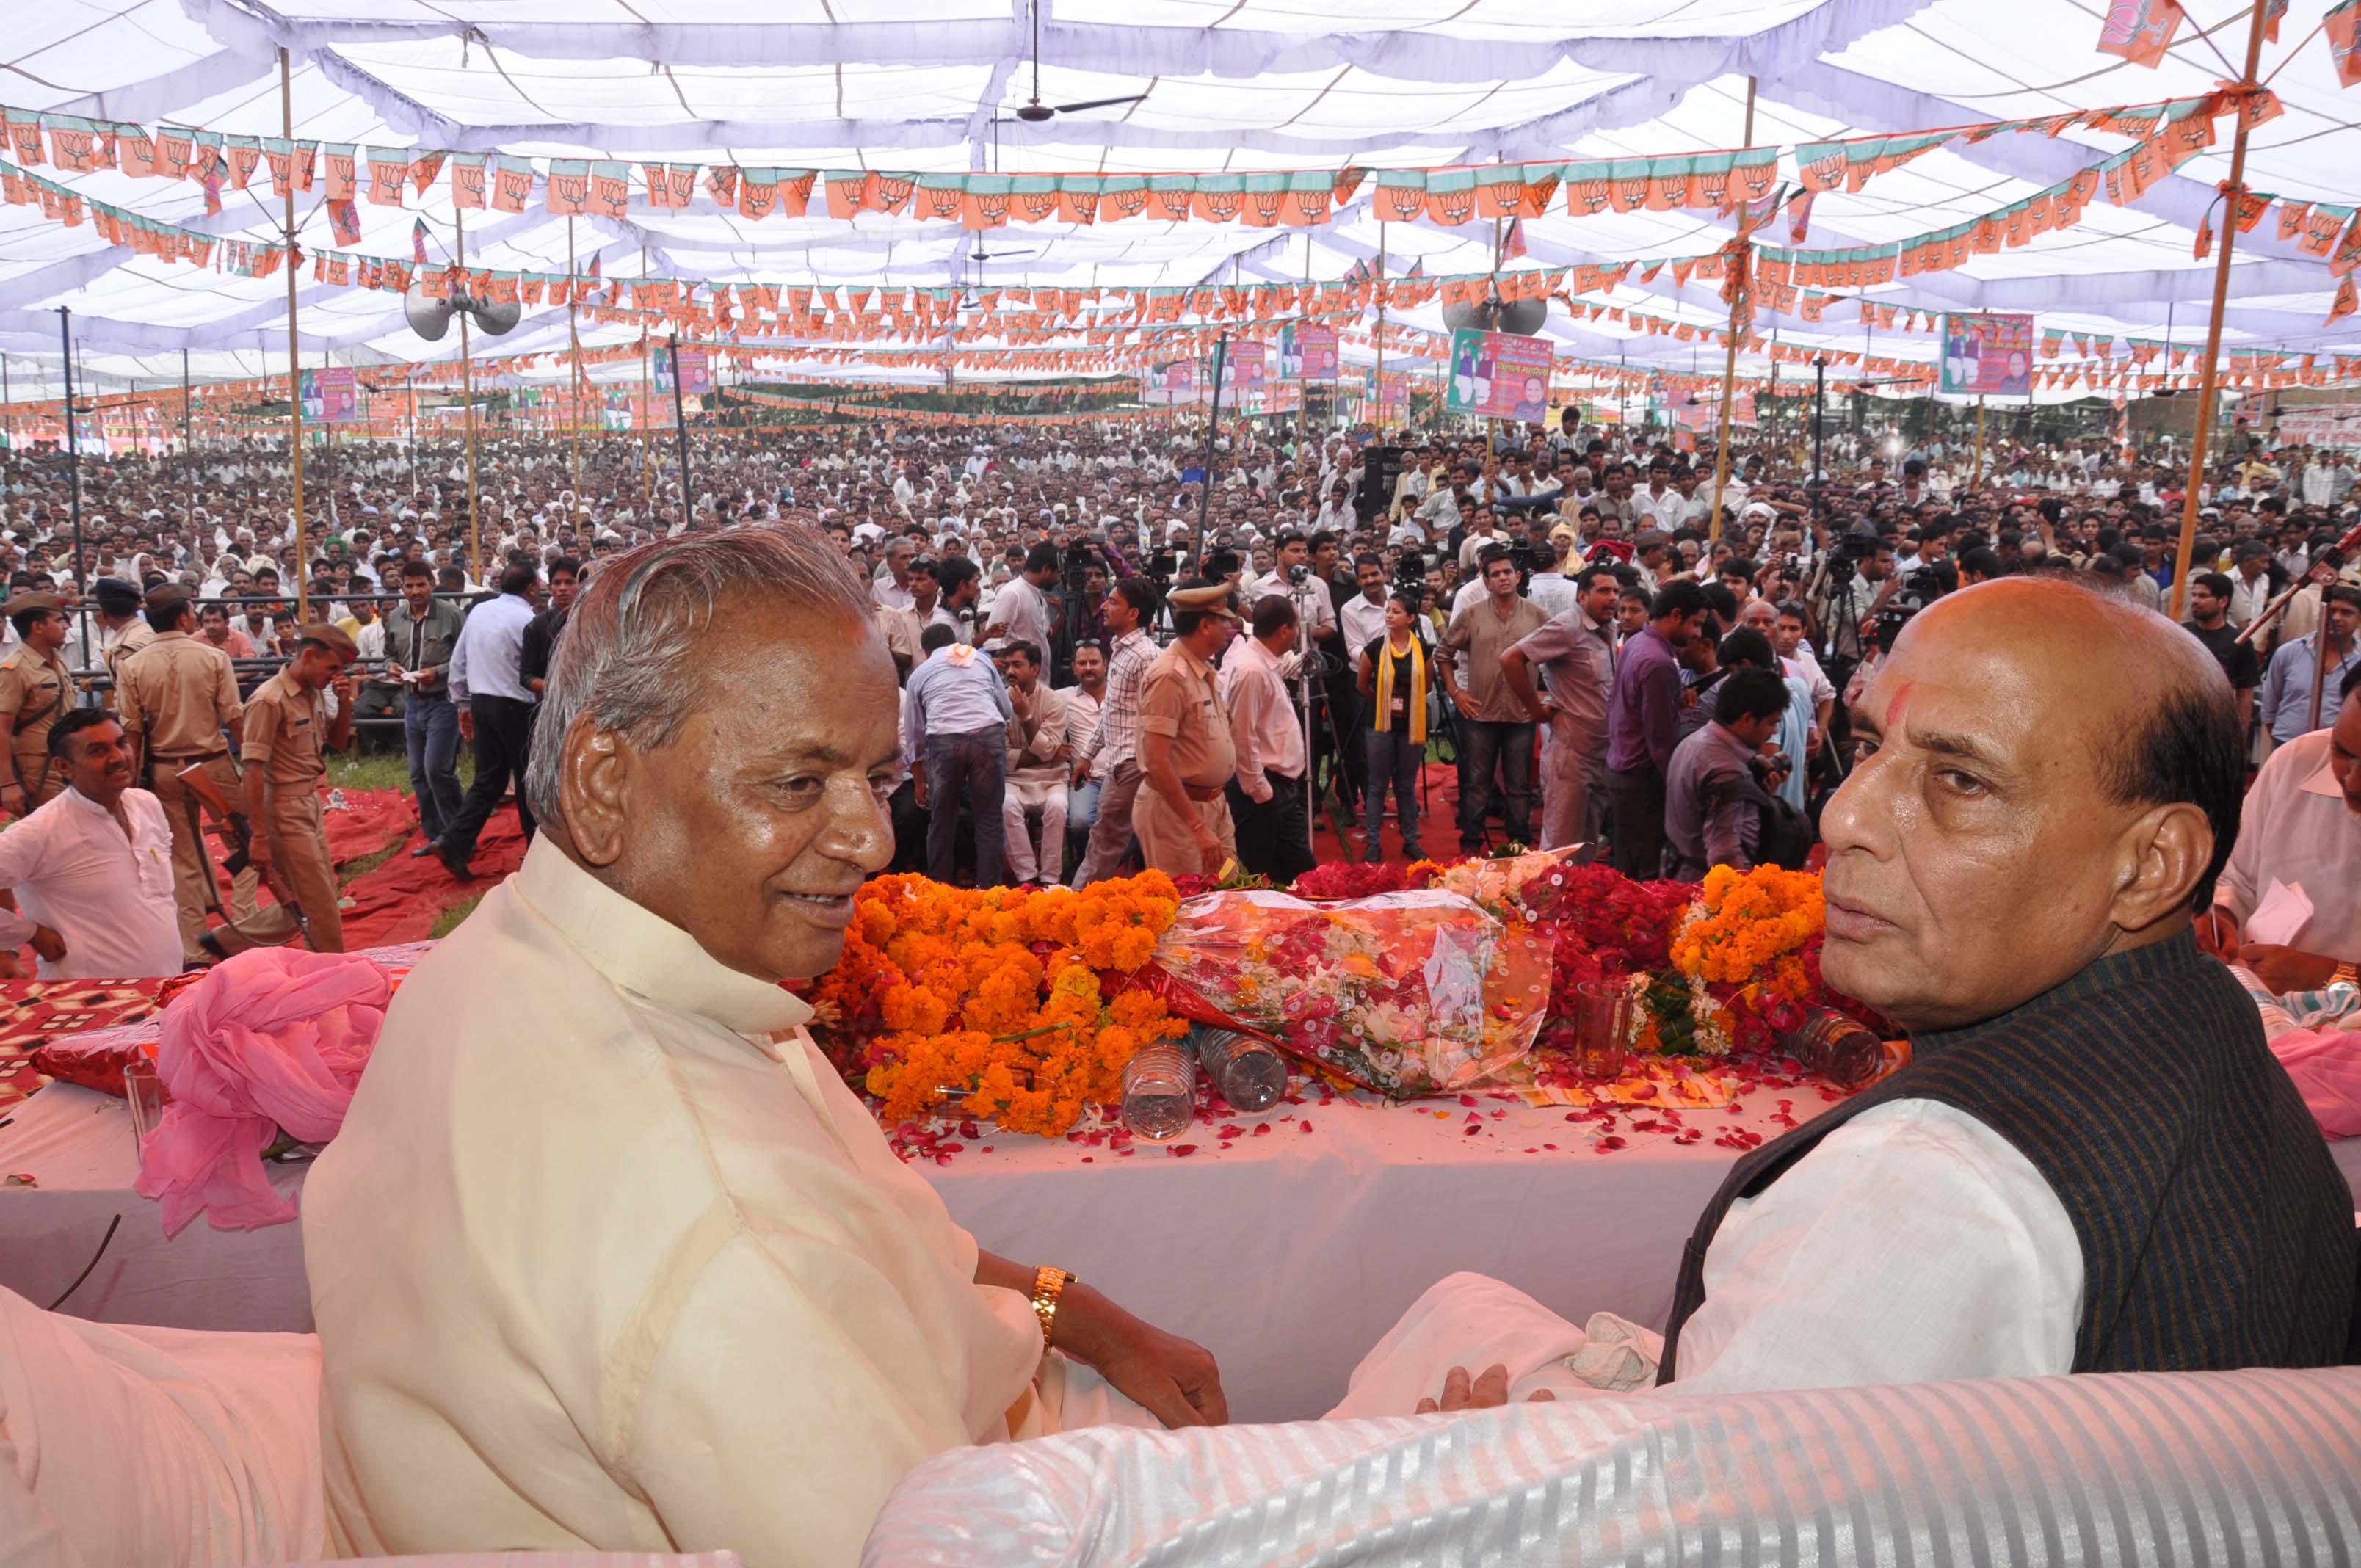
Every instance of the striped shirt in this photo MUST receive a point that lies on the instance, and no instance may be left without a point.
(1118, 734)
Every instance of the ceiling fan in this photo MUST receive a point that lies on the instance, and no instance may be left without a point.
(1033, 110)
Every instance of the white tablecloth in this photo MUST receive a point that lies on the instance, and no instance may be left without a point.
(1287, 1253)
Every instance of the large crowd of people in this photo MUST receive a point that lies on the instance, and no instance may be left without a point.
(1558, 613)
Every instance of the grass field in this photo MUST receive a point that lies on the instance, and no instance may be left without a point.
(386, 770)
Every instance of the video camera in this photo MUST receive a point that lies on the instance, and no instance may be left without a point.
(1919, 589)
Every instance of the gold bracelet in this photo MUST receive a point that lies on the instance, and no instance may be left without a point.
(1049, 1285)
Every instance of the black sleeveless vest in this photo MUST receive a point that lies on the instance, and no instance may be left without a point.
(2216, 1230)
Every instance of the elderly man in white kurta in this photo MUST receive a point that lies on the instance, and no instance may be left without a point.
(605, 1254)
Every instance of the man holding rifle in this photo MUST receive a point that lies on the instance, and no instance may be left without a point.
(286, 728)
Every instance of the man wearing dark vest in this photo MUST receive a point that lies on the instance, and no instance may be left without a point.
(2094, 1163)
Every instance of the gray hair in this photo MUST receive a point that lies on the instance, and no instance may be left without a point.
(628, 660)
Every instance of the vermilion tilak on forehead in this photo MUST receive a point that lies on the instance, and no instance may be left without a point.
(1896, 708)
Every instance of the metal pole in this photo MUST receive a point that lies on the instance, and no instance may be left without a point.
(680, 429)
(1976, 471)
(647, 396)
(294, 363)
(1381, 328)
(467, 396)
(1819, 435)
(1730, 362)
(73, 470)
(574, 338)
(1212, 422)
(2208, 384)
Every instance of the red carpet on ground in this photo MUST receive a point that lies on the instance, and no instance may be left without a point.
(401, 900)
(1438, 823)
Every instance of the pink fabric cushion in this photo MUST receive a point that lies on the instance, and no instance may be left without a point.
(2326, 1065)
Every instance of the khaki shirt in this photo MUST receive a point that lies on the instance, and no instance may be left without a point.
(35, 692)
(900, 627)
(1180, 700)
(283, 727)
(177, 695)
(114, 647)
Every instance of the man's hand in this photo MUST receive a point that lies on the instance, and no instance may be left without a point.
(1489, 1391)
(258, 852)
(1082, 772)
(49, 944)
(12, 800)
(1209, 848)
(1259, 792)
(2218, 934)
(1173, 1379)
(343, 687)
(467, 724)
(1812, 741)
(2286, 969)
(919, 782)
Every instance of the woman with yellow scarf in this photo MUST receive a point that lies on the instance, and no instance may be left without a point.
(1393, 681)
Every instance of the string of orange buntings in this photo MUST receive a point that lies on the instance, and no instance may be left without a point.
(349, 174)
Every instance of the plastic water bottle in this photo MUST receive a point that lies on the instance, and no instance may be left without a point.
(1250, 1075)
(1159, 1091)
(1833, 1046)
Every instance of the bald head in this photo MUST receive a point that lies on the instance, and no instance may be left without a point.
(2045, 776)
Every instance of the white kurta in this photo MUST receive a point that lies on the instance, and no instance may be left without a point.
(1912, 1245)
(2295, 829)
(596, 1264)
(106, 892)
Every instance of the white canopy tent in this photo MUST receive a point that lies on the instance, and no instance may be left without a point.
(1222, 86)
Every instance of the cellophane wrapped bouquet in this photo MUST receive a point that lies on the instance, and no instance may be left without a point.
(1408, 993)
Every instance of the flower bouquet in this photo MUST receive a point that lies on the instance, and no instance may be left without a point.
(1013, 1004)
(1742, 967)
(1408, 993)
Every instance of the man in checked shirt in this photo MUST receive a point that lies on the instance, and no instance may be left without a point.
(1128, 609)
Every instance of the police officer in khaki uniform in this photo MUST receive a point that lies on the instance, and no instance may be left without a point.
(286, 728)
(1186, 754)
(179, 701)
(122, 630)
(35, 691)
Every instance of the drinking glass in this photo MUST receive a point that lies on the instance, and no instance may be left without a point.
(1602, 1024)
(143, 1090)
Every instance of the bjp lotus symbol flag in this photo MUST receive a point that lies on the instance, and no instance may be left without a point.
(2344, 28)
(2140, 30)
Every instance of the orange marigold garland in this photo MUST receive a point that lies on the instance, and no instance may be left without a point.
(997, 995)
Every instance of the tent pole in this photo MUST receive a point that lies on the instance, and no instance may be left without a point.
(647, 434)
(574, 338)
(2209, 379)
(1976, 471)
(680, 429)
(73, 470)
(1381, 329)
(468, 395)
(294, 364)
(1213, 423)
(1730, 362)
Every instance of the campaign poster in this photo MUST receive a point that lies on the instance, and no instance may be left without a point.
(1988, 354)
(330, 396)
(1316, 351)
(1498, 375)
(1290, 354)
(1165, 384)
(1243, 364)
(695, 371)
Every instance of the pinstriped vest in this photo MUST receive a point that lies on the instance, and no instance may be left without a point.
(2216, 1231)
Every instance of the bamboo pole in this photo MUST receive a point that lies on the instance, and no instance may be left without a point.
(1976, 471)
(647, 395)
(468, 395)
(1729, 366)
(294, 364)
(2208, 379)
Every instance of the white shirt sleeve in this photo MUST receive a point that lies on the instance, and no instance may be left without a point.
(1912, 1245)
